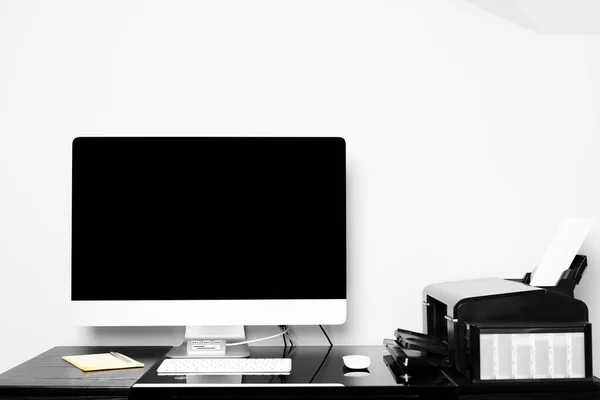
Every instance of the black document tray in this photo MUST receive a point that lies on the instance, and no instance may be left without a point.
(406, 356)
(419, 341)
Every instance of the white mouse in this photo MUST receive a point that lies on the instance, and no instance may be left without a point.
(356, 361)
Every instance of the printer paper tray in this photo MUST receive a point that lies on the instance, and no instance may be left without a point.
(419, 341)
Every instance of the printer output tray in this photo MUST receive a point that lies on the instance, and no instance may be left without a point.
(406, 356)
(419, 341)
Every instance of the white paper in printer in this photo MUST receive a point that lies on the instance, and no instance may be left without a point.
(563, 249)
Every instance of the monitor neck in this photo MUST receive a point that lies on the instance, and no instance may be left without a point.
(210, 342)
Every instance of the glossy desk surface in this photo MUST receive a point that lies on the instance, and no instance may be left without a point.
(315, 369)
(317, 372)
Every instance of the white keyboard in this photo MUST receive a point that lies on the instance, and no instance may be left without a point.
(225, 366)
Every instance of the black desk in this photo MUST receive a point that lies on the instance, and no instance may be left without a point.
(317, 372)
(49, 376)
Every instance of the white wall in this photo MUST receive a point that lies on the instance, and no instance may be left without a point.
(468, 137)
(548, 16)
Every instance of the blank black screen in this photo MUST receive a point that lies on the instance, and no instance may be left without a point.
(208, 218)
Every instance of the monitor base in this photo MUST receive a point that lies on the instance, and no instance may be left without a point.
(210, 342)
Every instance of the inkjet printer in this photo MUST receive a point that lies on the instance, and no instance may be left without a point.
(502, 331)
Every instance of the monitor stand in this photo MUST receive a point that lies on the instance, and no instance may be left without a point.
(209, 342)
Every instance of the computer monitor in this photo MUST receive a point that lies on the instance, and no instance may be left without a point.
(208, 232)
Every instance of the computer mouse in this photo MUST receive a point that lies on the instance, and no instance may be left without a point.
(356, 361)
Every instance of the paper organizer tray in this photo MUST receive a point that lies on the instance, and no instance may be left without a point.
(419, 341)
(534, 353)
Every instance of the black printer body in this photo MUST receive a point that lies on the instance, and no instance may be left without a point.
(504, 331)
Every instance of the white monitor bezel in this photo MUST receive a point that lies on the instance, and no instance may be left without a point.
(208, 312)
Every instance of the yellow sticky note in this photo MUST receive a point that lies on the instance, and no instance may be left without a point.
(102, 361)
